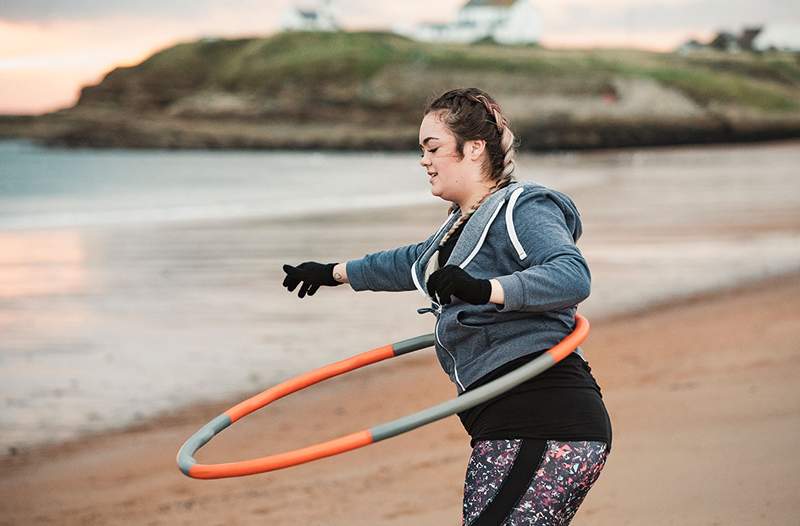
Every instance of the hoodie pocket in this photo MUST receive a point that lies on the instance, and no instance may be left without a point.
(464, 340)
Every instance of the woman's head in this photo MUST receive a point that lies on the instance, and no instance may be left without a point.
(467, 147)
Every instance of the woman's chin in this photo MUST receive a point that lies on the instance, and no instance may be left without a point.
(441, 193)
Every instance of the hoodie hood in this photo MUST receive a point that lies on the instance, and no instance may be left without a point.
(571, 214)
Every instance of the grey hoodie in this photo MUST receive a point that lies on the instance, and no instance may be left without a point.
(524, 236)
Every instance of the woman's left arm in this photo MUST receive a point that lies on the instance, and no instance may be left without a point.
(556, 274)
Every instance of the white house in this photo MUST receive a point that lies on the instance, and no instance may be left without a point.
(309, 19)
(505, 21)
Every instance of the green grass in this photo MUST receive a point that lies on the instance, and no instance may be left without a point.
(312, 60)
(762, 85)
(706, 87)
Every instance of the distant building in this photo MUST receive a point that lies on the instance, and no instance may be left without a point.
(503, 21)
(780, 37)
(690, 46)
(308, 19)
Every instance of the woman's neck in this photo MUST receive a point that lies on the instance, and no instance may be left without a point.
(470, 200)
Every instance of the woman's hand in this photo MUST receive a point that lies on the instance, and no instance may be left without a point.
(453, 280)
(311, 274)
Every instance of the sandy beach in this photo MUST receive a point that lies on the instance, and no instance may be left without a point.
(702, 393)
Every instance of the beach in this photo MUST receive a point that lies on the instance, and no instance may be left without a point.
(702, 394)
(121, 340)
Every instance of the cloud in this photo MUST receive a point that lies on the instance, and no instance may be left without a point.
(658, 14)
(74, 42)
(561, 17)
(676, 15)
(56, 10)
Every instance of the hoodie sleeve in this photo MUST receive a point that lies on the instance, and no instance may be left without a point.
(388, 270)
(556, 276)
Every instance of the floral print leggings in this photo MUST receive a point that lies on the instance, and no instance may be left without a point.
(529, 482)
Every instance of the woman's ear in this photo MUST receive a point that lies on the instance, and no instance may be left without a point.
(476, 148)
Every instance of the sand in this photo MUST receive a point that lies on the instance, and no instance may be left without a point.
(702, 394)
(701, 390)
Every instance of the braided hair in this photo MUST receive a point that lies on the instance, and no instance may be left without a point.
(471, 114)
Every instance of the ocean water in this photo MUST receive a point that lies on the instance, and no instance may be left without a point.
(135, 282)
(59, 188)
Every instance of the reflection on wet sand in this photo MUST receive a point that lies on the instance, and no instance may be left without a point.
(41, 263)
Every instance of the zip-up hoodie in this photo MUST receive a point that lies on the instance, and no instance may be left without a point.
(524, 236)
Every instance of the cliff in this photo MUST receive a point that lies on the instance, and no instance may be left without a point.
(366, 90)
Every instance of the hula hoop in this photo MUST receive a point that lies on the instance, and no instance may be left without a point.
(189, 466)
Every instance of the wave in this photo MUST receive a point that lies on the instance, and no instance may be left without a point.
(266, 209)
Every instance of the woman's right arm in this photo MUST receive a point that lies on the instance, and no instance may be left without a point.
(388, 270)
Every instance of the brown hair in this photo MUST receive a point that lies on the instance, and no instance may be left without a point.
(471, 114)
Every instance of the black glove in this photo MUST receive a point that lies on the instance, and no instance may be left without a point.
(312, 274)
(454, 280)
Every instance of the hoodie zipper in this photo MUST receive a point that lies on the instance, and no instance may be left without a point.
(438, 309)
(455, 369)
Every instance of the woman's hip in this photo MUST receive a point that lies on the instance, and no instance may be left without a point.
(529, 481)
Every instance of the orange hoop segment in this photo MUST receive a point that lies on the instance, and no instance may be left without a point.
(190, 467)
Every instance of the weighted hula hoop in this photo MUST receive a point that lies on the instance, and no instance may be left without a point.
(189, 466)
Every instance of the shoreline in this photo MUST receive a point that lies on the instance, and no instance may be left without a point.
(130, 475)
(70, 129)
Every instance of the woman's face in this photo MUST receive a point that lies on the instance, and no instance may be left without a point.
(451, 178)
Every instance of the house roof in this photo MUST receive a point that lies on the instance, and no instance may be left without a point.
(490, 3)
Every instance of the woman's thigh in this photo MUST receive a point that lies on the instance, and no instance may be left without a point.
(518, 482)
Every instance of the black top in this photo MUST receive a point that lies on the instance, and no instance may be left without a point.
(562, 403)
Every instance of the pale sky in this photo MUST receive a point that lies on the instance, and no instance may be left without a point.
(50, 48)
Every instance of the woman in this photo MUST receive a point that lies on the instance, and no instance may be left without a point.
(504, 279)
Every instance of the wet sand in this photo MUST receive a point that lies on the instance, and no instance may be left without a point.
(702, 393)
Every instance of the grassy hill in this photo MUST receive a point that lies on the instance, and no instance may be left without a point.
(368, 89)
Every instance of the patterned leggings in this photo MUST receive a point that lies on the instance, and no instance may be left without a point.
(529, 482)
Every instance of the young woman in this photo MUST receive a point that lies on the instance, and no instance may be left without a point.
(504, 278)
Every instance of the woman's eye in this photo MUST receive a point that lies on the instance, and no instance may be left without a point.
(422, 154)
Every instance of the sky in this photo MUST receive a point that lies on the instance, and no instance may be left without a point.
(50, 48)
